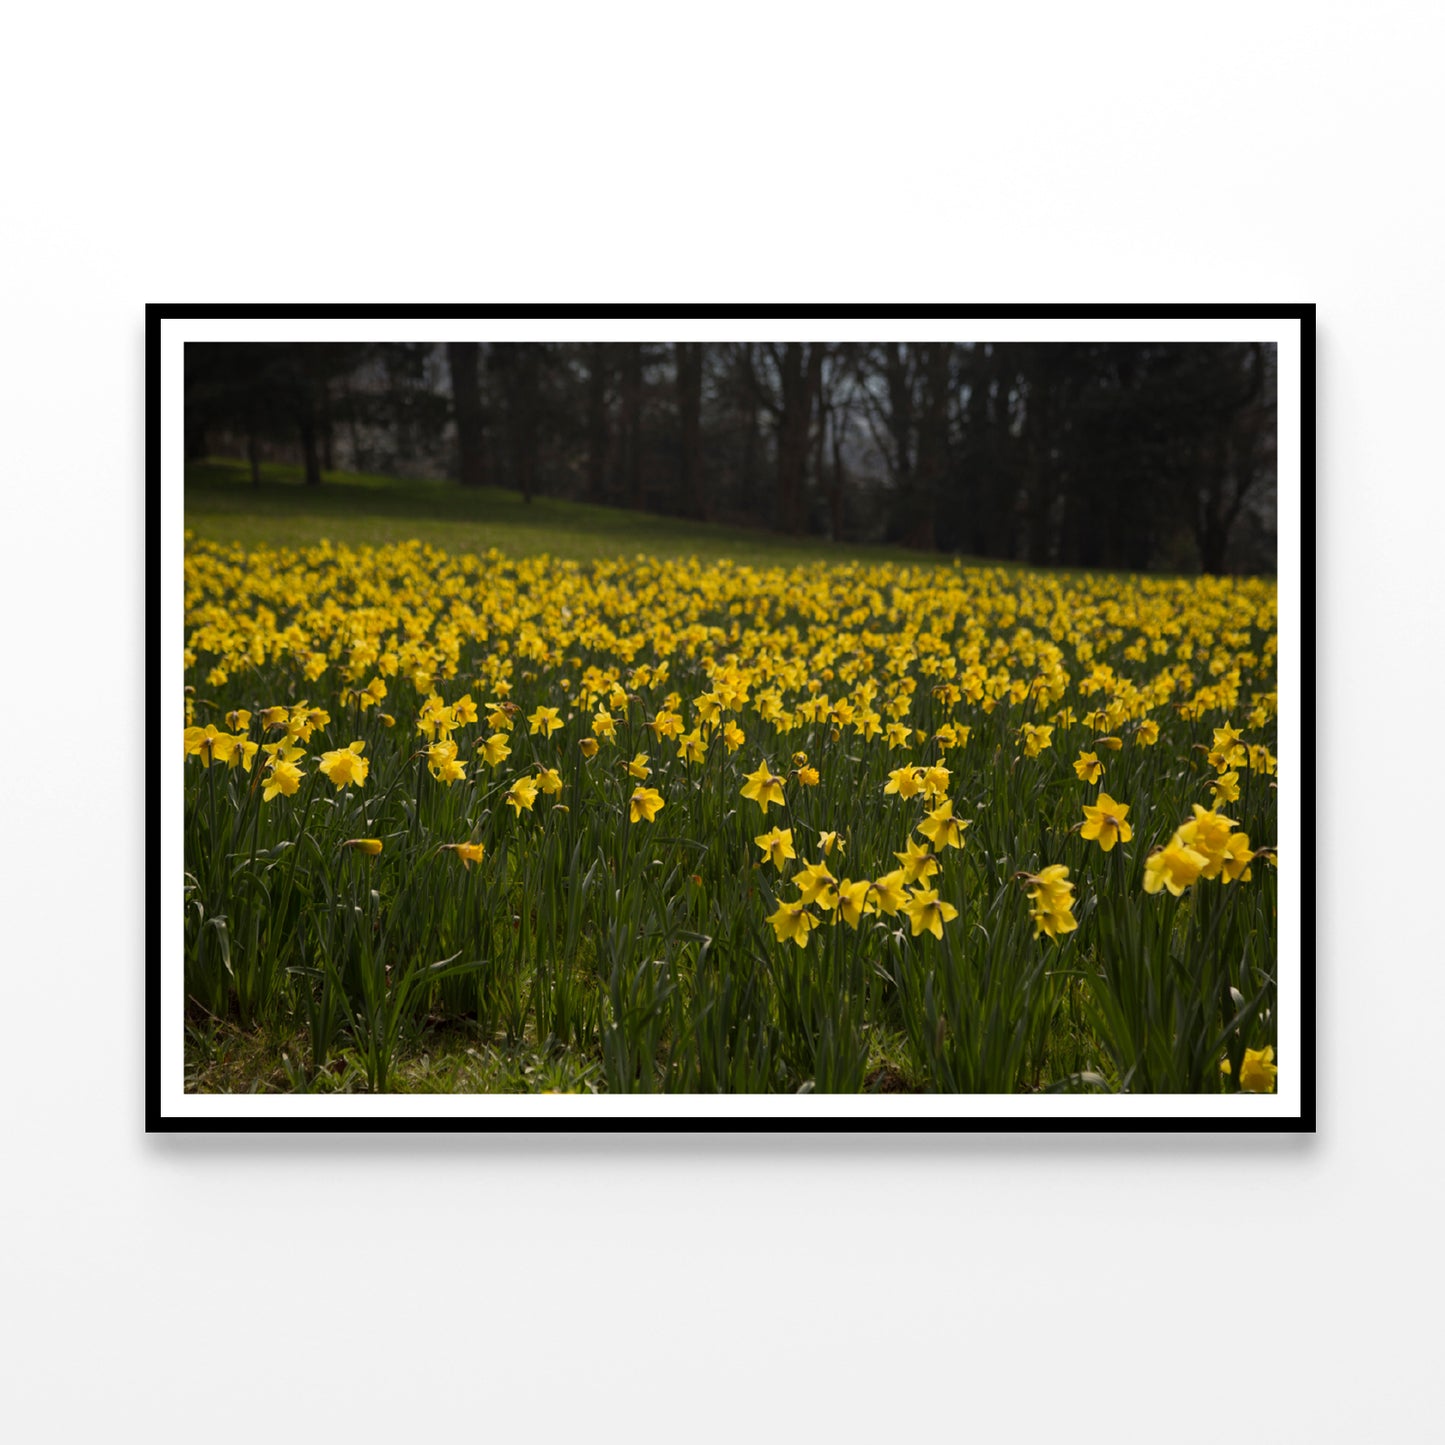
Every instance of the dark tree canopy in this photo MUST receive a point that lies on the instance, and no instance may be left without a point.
(1084, 454)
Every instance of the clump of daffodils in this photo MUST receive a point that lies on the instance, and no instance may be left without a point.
(591, 698)
(1206, 847)
(1052, 897)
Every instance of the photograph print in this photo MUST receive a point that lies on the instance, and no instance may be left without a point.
(688, 719)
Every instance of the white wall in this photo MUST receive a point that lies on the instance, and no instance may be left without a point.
(1073, 1290)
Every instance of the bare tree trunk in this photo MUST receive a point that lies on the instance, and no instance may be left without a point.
(920, 529)
(745, 381)
(835, 495)
(812, 396)
(630, 458)
(802, 373)
(819, 475)
(893, 426)
(792, 439)
(328, 448)
(524, 416)
(691, 492)
(1235, 473)
(900, 417)
(463, 358)
(253, 455)
(351, 421)
(302, 378)
(976, 476)
(1038, 439)
(750, 462)
(596, 421)
(306, 421)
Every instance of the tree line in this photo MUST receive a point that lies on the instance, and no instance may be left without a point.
(1087, 454)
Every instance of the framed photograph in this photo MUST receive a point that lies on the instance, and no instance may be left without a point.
(699, 718)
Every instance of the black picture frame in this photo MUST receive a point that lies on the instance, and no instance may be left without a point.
(156, 1118)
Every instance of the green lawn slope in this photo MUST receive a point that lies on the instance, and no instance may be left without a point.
(222, 506)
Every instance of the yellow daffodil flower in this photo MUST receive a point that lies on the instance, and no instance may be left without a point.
(890, 892)
(1175, 867)
(1228, 751)
(1036, 738)
(1208, 834)
(1225, 788)
(1104, 822)
(1261, 760)
(936, 780)
(644, 805)
(522, 794)
(210, 745)
(792, 921)
(442, 762)
(345, 766)
(1237, 858)
(815, 884)
(469, 853)
(918, 862)
(1052, 897)
(545, 721)
(777, 846)
(942, 829)
(1257, 1071)
(283, 778)
(905, 782)
(494, 749)
(763, 787)
(853, 901)
(927, 912)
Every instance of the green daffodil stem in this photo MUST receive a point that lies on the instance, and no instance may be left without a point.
(215, 849)
(280, 915)
(255, 833)
(420, 784)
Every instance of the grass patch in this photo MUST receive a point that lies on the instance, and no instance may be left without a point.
(448, 1057)
(357, 508)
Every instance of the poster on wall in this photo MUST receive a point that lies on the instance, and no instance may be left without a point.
(690, 718)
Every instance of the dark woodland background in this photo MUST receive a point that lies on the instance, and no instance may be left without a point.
(1109, 455)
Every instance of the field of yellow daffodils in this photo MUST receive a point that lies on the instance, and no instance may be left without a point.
(674, 826)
